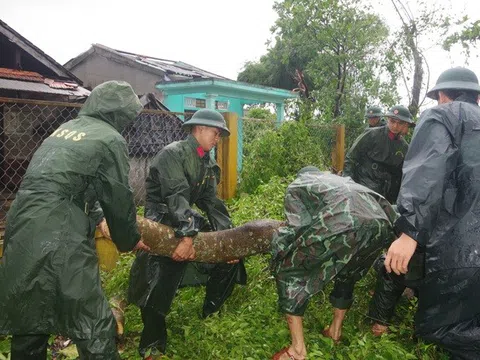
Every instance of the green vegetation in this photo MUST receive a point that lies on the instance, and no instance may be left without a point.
(249, 326)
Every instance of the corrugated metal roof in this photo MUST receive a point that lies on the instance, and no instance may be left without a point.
(163, 65)
(169, 66)
(20, 75)
(172, 70)
(40, 88)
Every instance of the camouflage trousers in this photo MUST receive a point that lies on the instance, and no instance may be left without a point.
(345, 258)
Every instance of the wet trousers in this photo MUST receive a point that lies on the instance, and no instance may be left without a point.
(461, 340)
(390, 287)
(219, 286)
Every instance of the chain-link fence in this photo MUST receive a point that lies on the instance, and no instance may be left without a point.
(268, 149)
(24, 124)
(149, 133)
(251, 129)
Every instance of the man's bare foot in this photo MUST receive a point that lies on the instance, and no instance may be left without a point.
(379, 329)
(332, 334)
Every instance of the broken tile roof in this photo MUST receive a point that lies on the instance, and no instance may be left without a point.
(20, 75)
(13, 79)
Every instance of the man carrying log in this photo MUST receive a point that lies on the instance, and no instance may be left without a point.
(335, 230)
(181, 175)
(49, 277)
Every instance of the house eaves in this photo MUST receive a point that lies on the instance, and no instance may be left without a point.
(34, 51)
(36, 87)
(230, 88)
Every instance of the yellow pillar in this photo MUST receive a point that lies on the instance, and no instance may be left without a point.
(338, 153)
(227, 153)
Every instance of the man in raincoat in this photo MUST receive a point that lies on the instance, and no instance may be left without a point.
(374, 116)
(439, 204)
(335, 230)
(181, 175)
(375, 159)
(49, 276)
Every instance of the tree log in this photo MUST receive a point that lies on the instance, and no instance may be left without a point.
(249, 239)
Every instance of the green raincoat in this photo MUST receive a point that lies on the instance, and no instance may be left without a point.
(49, 275)
(375, 160)
(180, 176)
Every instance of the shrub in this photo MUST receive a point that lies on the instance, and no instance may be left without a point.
(284, 151)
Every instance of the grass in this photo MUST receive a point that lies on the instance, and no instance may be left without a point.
(249, 326)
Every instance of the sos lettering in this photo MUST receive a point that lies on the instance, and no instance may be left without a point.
(67, 134)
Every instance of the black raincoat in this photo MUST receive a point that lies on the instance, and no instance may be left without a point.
(375, 160)
(439, 204)
(49, 275)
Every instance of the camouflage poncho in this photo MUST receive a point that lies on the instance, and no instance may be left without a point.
(331, 221)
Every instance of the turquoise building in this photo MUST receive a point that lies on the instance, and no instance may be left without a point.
(188, 96)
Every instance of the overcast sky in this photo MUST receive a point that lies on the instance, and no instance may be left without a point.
(216, 35)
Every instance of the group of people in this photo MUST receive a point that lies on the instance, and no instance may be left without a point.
(78, 178)
(336, 227)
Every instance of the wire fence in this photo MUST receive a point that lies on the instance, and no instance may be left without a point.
(252, 129)
(24, 124)
(270, 149)
(323, 136)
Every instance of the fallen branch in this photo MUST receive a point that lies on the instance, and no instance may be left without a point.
(249, 239)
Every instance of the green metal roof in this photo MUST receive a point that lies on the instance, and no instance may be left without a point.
(227, 88)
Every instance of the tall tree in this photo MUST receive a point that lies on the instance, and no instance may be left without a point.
(424, 28)
(332, 51)
(466, 37)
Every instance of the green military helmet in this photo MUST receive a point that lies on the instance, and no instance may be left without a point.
(373, 112)
(400, 112)
(210, 118)
(458, 78)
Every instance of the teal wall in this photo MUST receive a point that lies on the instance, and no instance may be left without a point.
(176, 103)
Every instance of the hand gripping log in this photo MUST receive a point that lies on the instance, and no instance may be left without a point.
(249, 239)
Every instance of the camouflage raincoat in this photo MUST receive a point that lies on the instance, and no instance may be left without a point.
(333, 225)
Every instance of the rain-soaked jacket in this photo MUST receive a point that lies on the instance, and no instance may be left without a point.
(439, 204)
(49, 275)
(330, 221)
(375, 160)
(181, 175)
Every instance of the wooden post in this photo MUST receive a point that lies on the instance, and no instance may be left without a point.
(227, 158)
(338, 153)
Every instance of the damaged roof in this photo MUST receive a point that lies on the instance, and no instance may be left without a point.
(18, 85)
(20, 75)
(20, 80)
(170, 70)
(38, 54)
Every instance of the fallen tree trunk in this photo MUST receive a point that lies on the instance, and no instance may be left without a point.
(252, 238)
(249, 239)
